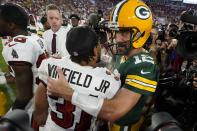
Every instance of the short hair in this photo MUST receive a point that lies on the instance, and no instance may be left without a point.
(75, 16)
(80, 43)
(86, 57)
(52, 7)
(16, 14)
(79, 59)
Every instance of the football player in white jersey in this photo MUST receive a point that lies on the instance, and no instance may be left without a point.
(130, 23)
(23, 54)
(82, 74)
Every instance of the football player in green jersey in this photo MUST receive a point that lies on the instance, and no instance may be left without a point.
(131, 23)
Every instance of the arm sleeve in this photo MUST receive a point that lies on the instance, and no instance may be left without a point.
(89, 104)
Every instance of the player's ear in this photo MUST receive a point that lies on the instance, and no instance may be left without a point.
(97, 49)
(94, 51)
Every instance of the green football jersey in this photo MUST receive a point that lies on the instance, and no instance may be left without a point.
(139, 74)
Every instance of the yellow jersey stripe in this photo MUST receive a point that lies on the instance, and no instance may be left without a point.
(142, 79)
(141, 83)
(141, 86)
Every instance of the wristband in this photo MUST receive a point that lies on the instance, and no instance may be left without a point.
(89, 104)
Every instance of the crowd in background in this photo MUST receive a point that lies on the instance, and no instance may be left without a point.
(164, 13)
(81, 7)
(84, 7)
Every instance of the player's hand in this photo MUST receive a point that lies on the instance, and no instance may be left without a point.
(59, 87)
(116, 74)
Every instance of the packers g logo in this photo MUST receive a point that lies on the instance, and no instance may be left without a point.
(142, 12)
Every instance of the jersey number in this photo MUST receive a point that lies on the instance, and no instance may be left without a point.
(143, 58)
(65, 118)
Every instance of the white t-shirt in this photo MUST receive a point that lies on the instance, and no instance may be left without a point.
(84, 79)
(61, 36)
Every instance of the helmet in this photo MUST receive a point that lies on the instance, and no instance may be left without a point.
(134, 15)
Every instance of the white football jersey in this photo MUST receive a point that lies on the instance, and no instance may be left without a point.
(28, 49)
(85, 79)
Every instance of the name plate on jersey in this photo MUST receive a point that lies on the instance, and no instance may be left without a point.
(80, 79)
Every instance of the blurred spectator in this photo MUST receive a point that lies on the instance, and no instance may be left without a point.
(152, 41)
(44, 22)
(174, 60)
(32, 28)
(74, 20)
